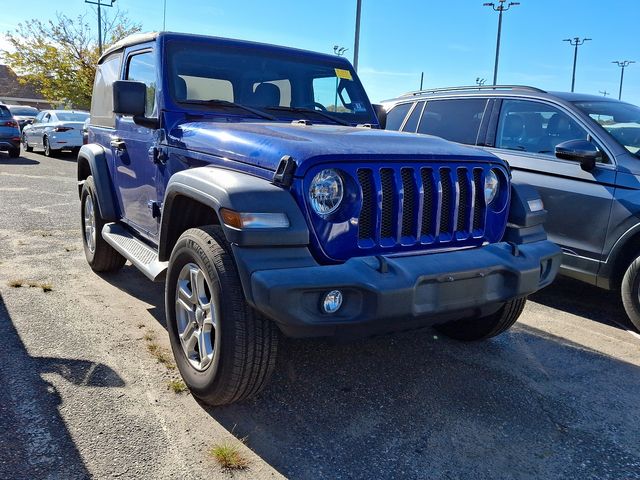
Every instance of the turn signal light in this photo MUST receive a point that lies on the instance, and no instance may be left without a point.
(240, 221)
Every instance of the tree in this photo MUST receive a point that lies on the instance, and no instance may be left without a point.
(59, 57)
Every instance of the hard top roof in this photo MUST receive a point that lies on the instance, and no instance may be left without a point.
(139, 38)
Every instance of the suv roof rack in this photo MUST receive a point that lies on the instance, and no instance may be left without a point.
(473, 87)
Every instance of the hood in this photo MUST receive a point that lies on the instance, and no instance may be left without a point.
(263, 144)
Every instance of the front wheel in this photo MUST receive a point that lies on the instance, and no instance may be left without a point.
(630, 291)
(25, 144)
(470, 329)
(225, 350)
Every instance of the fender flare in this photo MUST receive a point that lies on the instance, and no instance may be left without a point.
(221, 188)
(95, 156)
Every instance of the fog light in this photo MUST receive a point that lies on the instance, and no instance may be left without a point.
(332, 301)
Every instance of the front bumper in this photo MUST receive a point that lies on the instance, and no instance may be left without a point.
(387, 293)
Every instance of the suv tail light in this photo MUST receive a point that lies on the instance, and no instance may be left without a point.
(10, 123)
(62, 129)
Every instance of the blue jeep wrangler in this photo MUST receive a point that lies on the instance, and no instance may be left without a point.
(255, 181)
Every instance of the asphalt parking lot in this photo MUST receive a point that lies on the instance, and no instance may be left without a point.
(82, 396)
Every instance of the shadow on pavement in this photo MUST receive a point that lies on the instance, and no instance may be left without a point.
(584, 300)
(6, 160)
(35, 441)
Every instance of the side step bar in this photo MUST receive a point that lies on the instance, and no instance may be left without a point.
(141, 255)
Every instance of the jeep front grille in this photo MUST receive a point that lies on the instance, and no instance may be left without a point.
(420, 205)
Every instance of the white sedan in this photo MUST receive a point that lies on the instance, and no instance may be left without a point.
(54, 130)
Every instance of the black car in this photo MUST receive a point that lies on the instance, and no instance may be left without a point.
(582, 152)
(23, 114)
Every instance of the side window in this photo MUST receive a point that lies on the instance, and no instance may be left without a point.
(396, 115)
(141, 68)
(47, 118)
(39, 118)
(534, 127)
(412, 121)
(102, 99)
(455, 120)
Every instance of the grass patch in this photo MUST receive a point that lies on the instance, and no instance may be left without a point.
(140, 325)
(177, 386)
(46, 287)
(229, 457)
(160, 354)
(17, 283)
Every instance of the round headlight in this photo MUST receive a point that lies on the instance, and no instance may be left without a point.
(491, 186)
(326, 192)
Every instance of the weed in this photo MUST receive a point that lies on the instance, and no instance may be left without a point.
(141, 325)
(177, 386)
(16, 283)
(229, 456)
(46, 287)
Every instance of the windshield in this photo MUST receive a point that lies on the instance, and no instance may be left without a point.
(24, 111)
(72, 116)
(287, 86)
(621, 120)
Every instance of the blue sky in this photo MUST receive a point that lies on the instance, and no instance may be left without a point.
(453, 42)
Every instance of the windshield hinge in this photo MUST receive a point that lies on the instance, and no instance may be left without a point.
(283, 177)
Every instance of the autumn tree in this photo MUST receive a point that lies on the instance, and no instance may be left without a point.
(59, 56)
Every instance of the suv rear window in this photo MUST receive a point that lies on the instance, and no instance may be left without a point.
(4, 112)
(456, 120)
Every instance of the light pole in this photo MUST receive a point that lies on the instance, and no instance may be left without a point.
(356, 46)
(480, 81)
(339, 51)
(500, 8)
(604, 92)
(622, 64)
(575, 42)
(100, 4)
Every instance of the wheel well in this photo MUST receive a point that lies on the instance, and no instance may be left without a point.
(185, 213)
(84, 170)
(628, 252)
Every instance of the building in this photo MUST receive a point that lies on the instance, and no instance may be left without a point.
(12, 92)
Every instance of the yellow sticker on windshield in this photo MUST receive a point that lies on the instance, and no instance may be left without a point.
(341, 73)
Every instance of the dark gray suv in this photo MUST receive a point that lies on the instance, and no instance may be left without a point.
(581, 152)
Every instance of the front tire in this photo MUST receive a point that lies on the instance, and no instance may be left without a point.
(471, 329)
(225, 350)
(101, 256)
(630, 292)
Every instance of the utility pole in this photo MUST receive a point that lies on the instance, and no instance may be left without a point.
(604, 92)
(421, 79)
(480, 81)
(100, 4)
(339, 51)
(622, 64)
(575, 42)
(164, 16)
(356, 46)
(500, 8)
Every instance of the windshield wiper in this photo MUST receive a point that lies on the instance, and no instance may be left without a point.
(308, 110)
(216, 102)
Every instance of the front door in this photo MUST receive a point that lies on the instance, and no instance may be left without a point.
(132, 149)
(578, 202)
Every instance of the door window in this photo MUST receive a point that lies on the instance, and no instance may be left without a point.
(456, 120)
(396, 115)
(102, 99)
(412, 121)
(535, 127)
(39, 118)
(141, 68)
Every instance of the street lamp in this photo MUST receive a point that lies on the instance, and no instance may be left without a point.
(575, 42)
(480, 81)
(604, 92)
(622, 64)
(501, 7)
(100, 4)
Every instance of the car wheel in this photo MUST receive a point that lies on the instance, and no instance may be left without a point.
(25, 144)
(101, 256)
(224, 349)
(630, 291)
(14, 153)
(48, 151)
(470, 329)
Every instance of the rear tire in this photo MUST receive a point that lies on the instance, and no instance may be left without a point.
(630, 292)
(101, 256)
(471, 329)
(14, 153)
(25, 144)
(224, 349)
(48, 151)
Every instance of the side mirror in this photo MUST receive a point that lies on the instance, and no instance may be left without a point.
(130, 98)
(381, 113)
(581, 151)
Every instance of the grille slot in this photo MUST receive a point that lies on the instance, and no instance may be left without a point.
(367, 214)
(388, 203)
(427, 203)
(478, 203)
(408, 202)
(447, 197)
(462, 223)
